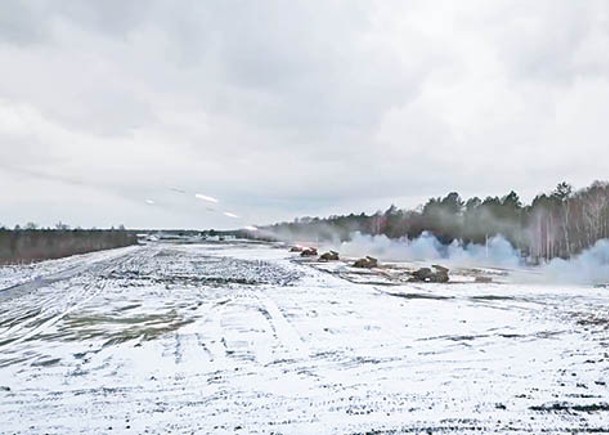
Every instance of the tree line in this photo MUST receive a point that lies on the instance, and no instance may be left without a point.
(556, 224)
(59, 226)
(33, 245)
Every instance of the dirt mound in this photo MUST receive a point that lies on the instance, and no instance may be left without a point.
(425, 274)
(366, 263)
(308, 252)
(329, 256)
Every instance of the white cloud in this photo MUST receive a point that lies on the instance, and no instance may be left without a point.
(294, 108)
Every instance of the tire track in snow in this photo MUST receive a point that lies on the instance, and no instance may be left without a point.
(290, 344)
(49, 309)
(366, 362)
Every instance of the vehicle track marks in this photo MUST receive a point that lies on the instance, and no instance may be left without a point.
(47, 301)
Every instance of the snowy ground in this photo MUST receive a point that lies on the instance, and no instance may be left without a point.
(243, 338)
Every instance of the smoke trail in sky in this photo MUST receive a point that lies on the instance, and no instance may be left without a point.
(206, 198)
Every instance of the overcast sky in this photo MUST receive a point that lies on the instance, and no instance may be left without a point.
(286, 108)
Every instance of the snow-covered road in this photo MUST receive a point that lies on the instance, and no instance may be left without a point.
(242, 338)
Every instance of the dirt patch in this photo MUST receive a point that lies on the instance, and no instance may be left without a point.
(568, 407)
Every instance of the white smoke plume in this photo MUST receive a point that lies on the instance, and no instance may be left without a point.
(589, 267)
(498, 251)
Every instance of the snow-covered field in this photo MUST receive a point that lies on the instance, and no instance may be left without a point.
(245, 338)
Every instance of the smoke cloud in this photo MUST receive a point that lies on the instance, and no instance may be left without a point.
(498, 252)
(588, 268)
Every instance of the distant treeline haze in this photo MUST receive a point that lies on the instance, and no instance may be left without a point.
(559, 224)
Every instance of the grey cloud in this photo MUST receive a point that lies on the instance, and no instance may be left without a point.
(22, 23)
(285, 108)
(112, 17)
(541, 40)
